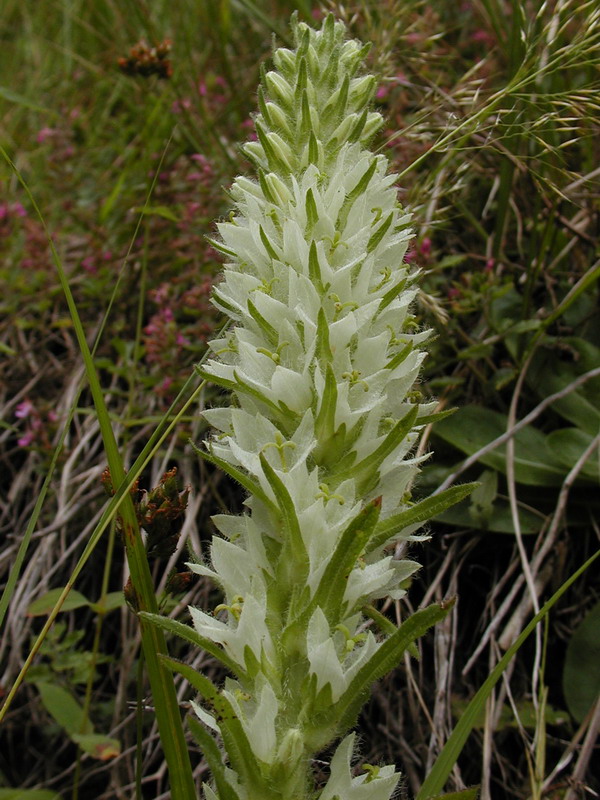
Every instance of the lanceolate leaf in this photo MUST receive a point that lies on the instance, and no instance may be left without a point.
(285, 504)
(383, 660)
(243, 478)
(242, 758)
(421, 512)
(332, 586)
(190, 635)
(364, 472)
(213, 756)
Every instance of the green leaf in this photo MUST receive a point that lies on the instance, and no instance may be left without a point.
(245, 480)
(287, 508)
(528, 715)
(365, 473)
(474, 427)
(498, 519)
(64, 708)
(467, 794)
(97, 745)
(157, 211)
(214, 759)
(383, 660)
(234, 737)
(324, 421)
(267, 244)
(482, 498)
(108, 204)
(422, 511)
(554, 367)
(314, 268)
(262, 323)
(312, 215)
(332, 585)
(379, 233)
(193, 637)
(19, 99)
(356, 192)
(581, 677)
(112, 601)
(44, 604)
(324, 348)
(568, 445)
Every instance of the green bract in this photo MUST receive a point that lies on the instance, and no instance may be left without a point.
(320, 361)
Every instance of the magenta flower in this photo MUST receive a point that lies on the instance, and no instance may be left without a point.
(45, 133)
(24, 409)
(26, 439)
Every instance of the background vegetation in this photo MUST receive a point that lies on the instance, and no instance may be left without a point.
(492, 110)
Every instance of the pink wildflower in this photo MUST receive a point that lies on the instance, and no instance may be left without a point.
(425, 247)
(89, 265)
(26, 439)
(484, 37)
(24, 409)
(19, 210)
(45, 133)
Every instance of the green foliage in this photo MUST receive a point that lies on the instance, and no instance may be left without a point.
(581, 678)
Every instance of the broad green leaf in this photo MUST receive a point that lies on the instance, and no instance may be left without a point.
(474, 427)
(44, 605)
(553, 368)
(112, 601)
(497, 520)
(64, 708)
(567, 445)
(97, 745)
(482, 498)
(467, 794)
(581, 676)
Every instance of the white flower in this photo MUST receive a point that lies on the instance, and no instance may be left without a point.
(320, 361)
(377, 784)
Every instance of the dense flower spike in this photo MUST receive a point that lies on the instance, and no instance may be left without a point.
(320, 361)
